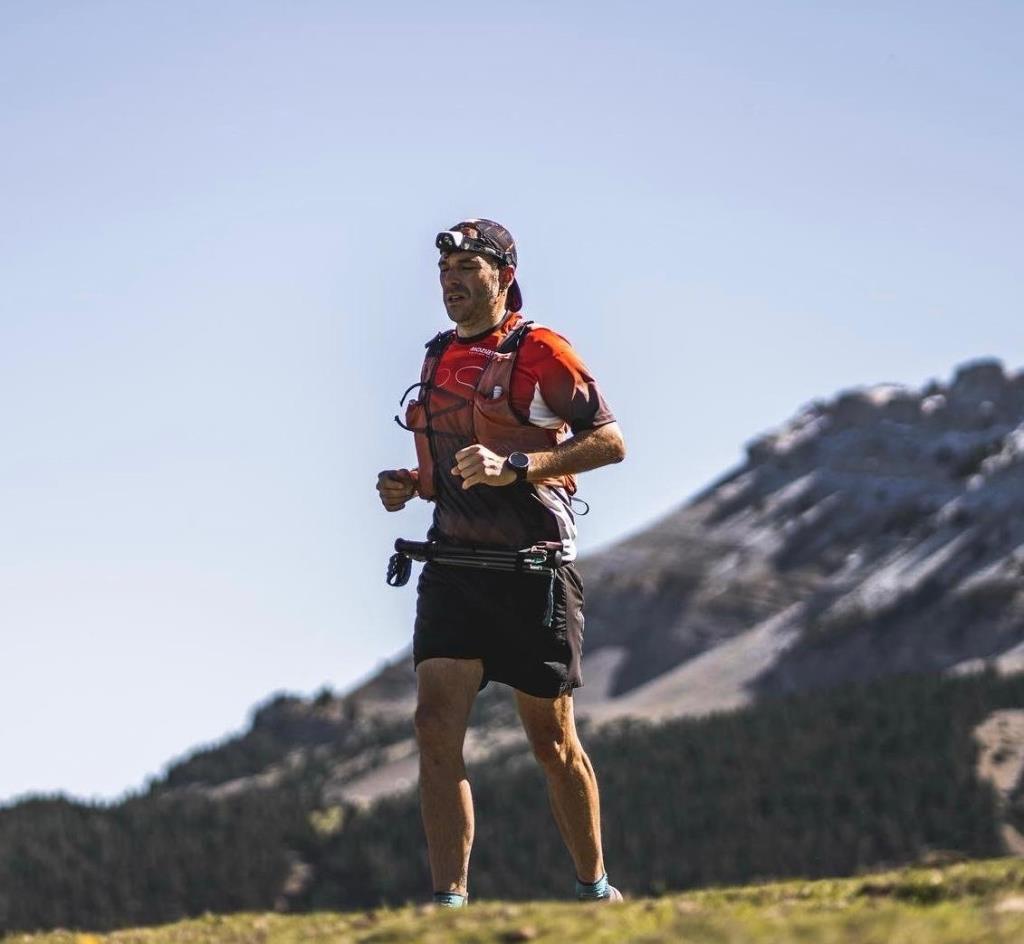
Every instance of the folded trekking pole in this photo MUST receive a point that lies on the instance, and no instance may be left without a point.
(543, 558)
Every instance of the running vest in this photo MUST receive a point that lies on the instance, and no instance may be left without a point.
(496, 424)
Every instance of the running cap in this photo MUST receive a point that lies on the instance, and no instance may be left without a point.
(488, 238)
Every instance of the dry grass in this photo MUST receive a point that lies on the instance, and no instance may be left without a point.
(979, 902)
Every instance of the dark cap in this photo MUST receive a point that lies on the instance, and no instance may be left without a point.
(496, 241)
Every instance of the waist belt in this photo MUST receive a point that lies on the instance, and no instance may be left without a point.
(543, 558)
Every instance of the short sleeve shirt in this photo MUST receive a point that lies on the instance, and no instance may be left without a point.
(551, 387)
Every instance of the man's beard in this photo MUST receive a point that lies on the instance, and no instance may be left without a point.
(480, 309)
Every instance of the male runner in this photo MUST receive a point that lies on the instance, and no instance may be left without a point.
(505, 417)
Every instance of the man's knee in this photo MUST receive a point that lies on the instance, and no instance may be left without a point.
(439, 731)
(554, 749)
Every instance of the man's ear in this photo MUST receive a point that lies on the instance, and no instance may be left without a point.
(506, 275)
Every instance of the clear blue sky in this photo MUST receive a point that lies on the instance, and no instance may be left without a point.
(217, 274)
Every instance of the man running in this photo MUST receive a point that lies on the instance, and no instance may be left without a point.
(506, 415)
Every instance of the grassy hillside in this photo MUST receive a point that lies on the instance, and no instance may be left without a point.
(837, 783)
(973, 902)
(834, 783)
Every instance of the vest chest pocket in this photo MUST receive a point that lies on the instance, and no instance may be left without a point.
(499, 428)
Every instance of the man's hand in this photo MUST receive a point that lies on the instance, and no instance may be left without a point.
(396, 487)
(477, 465)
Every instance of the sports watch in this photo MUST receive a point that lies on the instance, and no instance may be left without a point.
(519, 462)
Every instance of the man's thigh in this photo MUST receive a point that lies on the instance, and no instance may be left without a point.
(445, 691)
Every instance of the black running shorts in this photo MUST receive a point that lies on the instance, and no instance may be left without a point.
(472, 613)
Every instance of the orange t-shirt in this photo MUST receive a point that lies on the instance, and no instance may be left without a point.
(551, 388)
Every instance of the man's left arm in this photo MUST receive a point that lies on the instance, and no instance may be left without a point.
(588, 449)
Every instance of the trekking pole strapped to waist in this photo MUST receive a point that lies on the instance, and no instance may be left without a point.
(542, 558)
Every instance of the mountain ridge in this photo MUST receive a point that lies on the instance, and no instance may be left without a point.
(856, 539)
(808, 532)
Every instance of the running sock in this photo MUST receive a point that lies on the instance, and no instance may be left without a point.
(592, 891)
(450, 899)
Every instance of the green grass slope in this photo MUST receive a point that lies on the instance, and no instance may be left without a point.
(836, 783)
(970, 902)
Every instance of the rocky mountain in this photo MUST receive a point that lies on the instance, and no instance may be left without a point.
(882, 531)
(876, 533)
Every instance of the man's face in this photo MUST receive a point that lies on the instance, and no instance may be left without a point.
(470, 284)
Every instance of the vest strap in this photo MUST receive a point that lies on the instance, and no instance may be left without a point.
(436, 345)
(515, 338)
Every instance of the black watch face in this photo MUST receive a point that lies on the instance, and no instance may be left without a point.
(519, 460)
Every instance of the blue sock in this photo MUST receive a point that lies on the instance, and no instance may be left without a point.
(595, 890)
(450, 899)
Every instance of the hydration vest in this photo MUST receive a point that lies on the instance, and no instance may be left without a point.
(496, 424)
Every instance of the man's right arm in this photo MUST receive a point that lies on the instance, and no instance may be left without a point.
(396, 487)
